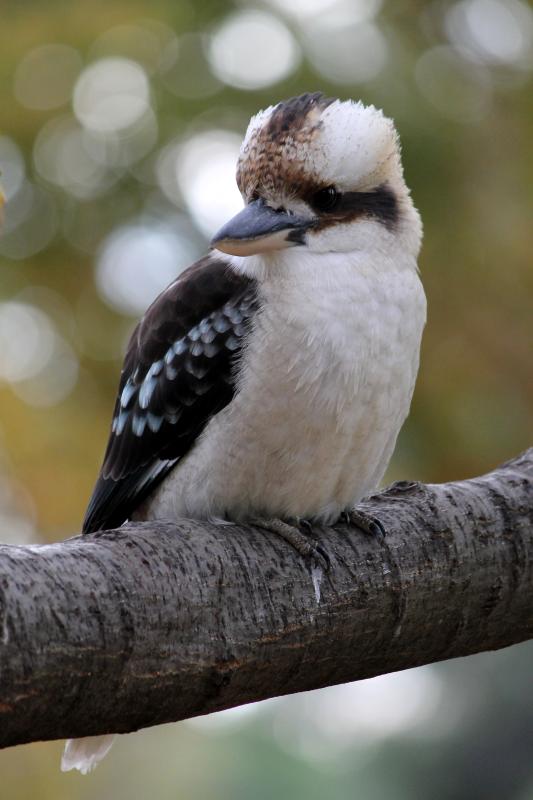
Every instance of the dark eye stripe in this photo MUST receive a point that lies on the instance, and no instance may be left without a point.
(380, 203)
(325, 200)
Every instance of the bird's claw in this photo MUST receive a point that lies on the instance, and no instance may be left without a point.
(365, 522)
(317, 553)
(291, 532)
(321, 557)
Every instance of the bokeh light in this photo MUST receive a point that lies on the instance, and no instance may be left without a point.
(375, 708)
(185, 70)
(346, 52)
(302, 10)
(111, 94)
(35, 360)
(119, 149)
(12, 167)
(493, 31)
(317, 724)
(205, 168)
(457, 89)
(137, 262)
(27, 341)
(141, 42)
(65, 155)
(253, 49)
(30, 222)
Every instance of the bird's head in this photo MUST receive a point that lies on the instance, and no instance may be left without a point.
(321, 174)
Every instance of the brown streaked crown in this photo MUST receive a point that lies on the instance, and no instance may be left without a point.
(273, 155)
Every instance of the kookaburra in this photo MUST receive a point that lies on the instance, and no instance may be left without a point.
(269, 381)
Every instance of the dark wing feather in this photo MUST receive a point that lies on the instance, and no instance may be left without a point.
(178, 372)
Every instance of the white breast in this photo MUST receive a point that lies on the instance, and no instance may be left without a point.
(325, 385)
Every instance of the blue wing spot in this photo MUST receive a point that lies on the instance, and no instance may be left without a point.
(119, 422)
(233, 314)
(209, 335)
(221, 324)
(196, 349)
(154, 422)
(138, 425)
(127, 393)
(232, 343)
(179, 346)
(146, 391)
(211, 350)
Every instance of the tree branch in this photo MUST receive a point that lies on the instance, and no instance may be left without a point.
(157, 622)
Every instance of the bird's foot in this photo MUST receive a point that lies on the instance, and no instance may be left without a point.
(294, 536)
(365, 522)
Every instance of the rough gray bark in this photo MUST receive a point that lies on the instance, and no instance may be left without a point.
(157, 622)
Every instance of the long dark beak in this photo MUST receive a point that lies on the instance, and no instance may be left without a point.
(258, 229)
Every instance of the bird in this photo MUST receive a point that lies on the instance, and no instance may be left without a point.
(268, 383)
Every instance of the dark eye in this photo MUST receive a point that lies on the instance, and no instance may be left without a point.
(325, 199)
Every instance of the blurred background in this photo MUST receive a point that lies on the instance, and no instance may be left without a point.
(120, 125)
